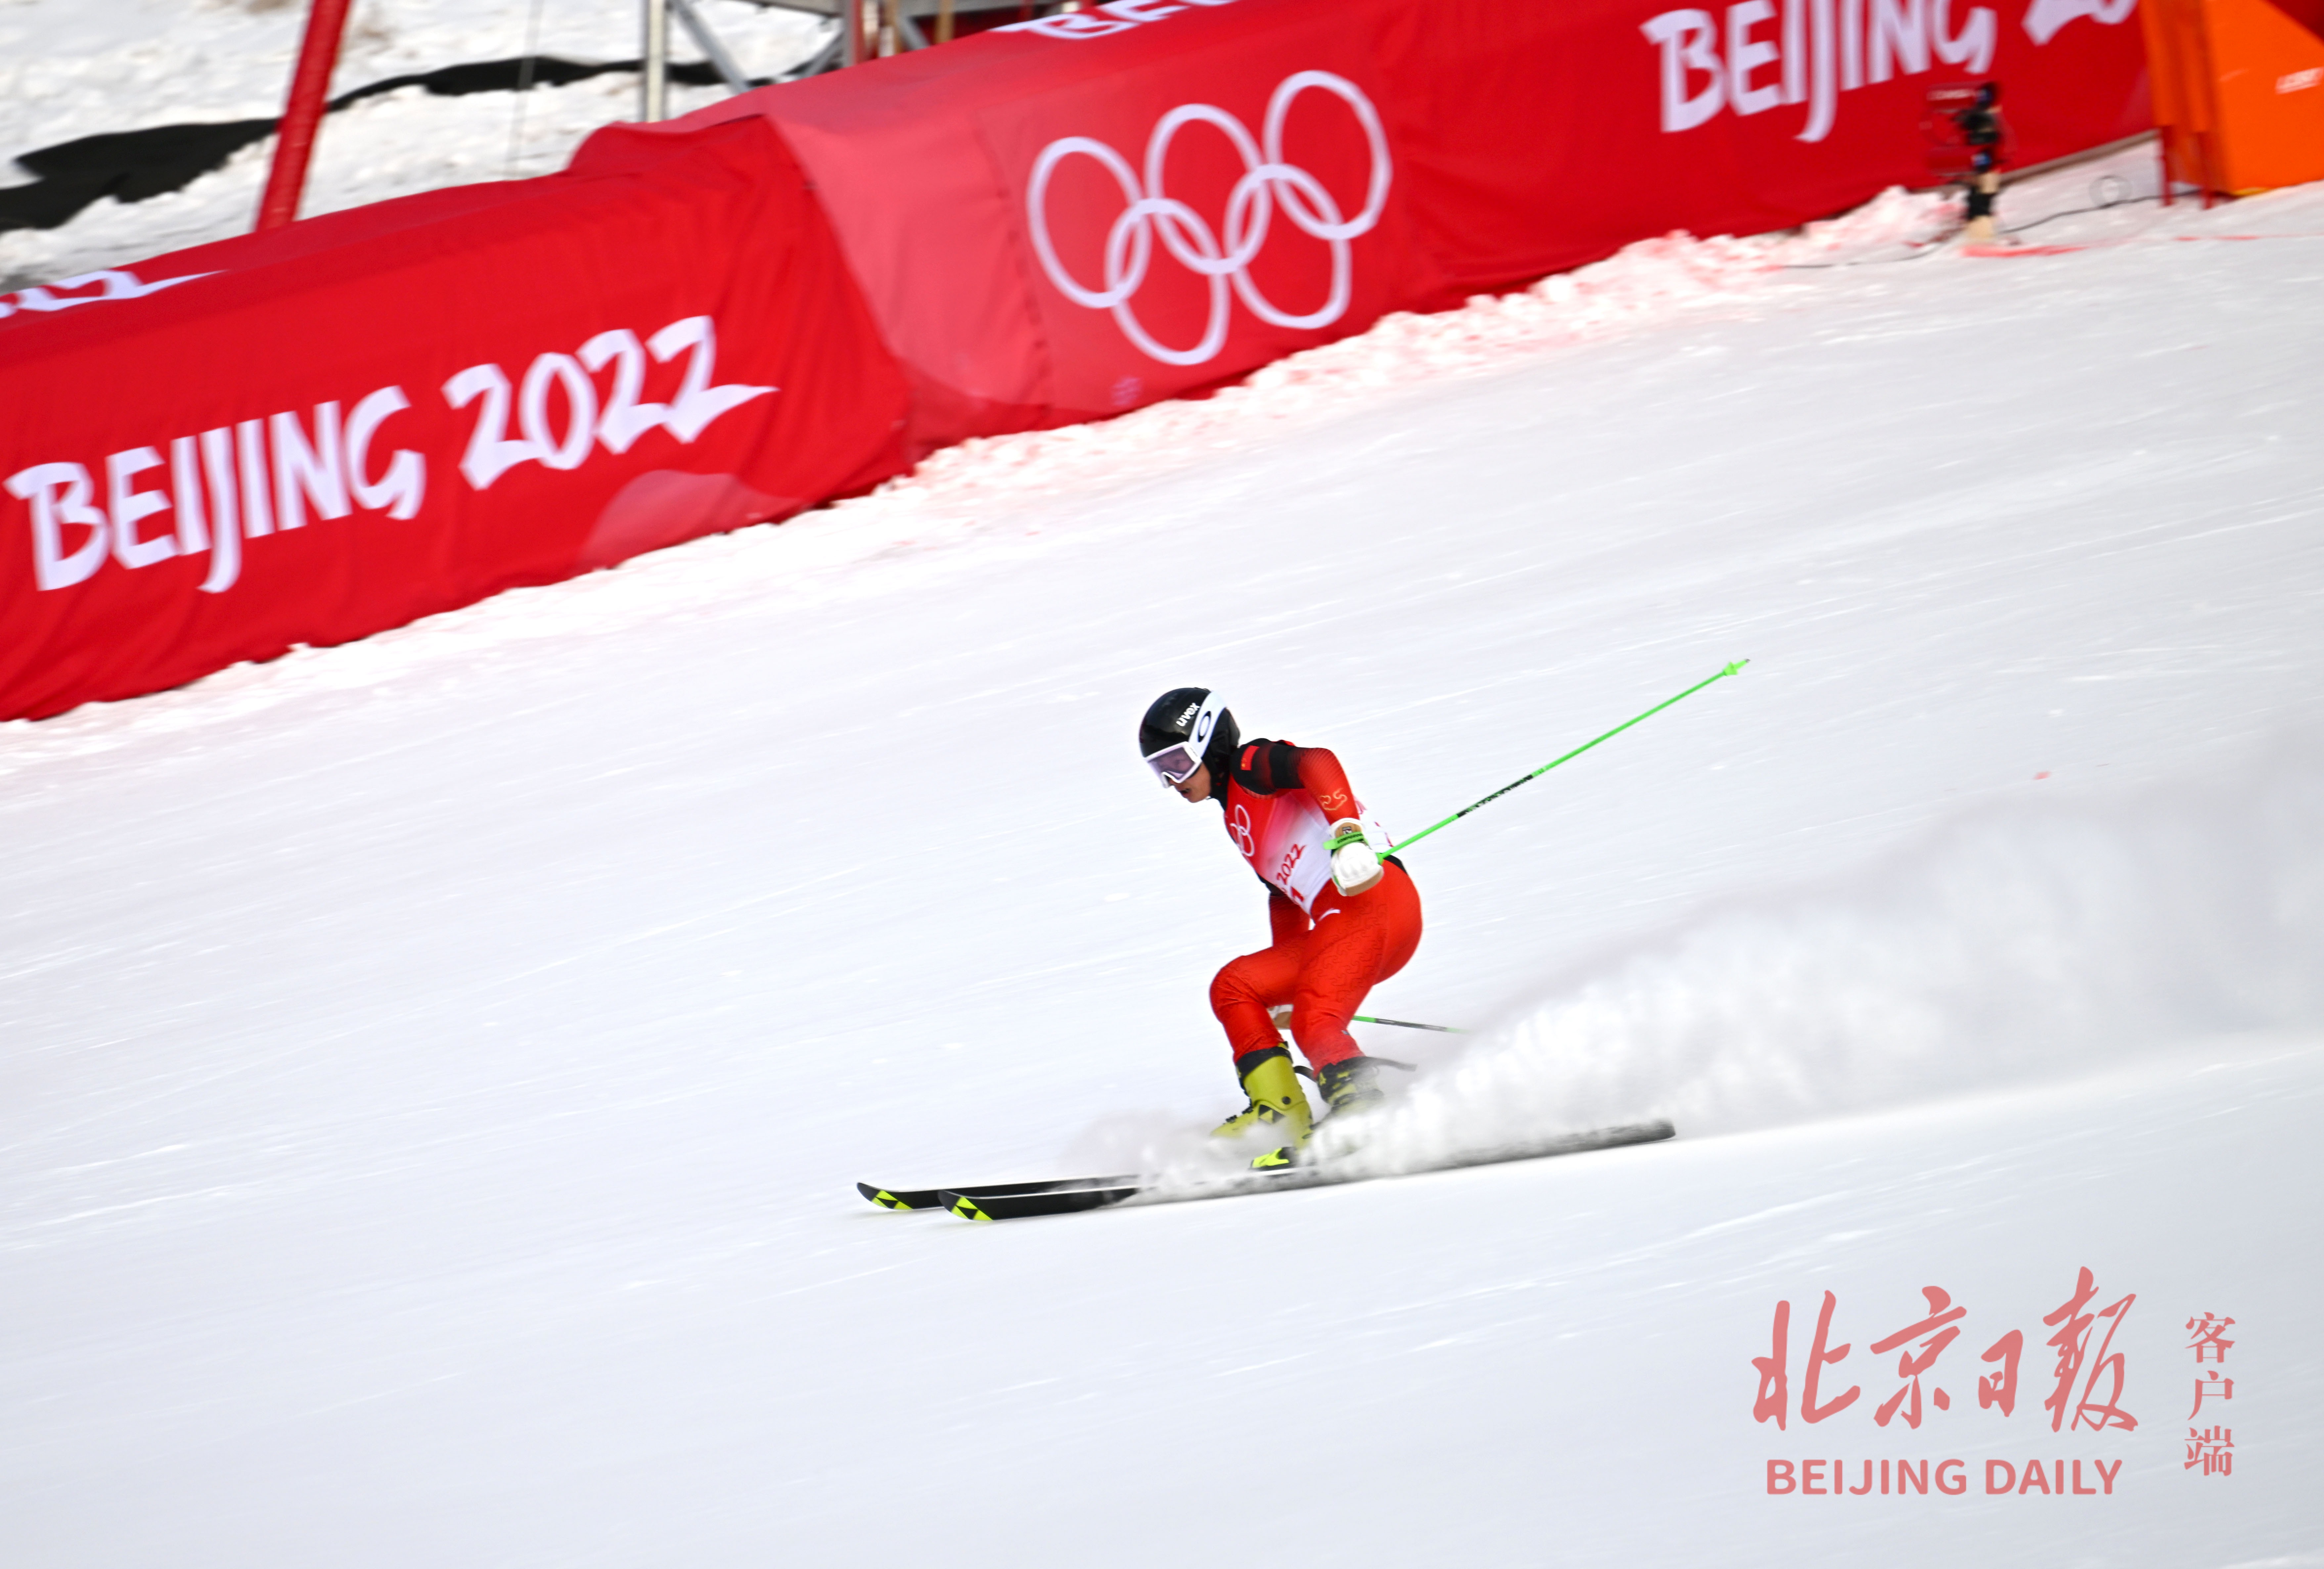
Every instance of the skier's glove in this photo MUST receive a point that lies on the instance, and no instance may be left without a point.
(1354, 868)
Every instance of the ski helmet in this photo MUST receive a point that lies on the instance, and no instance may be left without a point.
(1185, 728)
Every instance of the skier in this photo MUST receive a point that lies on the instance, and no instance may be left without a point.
(1344, 918)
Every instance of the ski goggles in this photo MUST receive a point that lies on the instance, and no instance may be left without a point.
(1177, 762)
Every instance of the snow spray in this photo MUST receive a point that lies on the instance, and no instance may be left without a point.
(2017, 945)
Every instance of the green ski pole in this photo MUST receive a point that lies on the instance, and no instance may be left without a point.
(1409, 1024)
(1398, 849)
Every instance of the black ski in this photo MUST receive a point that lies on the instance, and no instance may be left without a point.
(935, 1197)
(1024, 1200)
(1056, 1201)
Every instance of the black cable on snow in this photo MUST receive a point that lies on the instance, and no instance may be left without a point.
(1931, 247)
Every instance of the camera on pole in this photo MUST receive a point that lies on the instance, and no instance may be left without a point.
(1967, 135)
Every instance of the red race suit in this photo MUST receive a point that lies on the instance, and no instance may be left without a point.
(1330, 948)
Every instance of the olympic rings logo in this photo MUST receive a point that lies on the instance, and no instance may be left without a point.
(1267, 181)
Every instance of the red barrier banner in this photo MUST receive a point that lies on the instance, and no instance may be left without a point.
(312, 434)
(1075, 216)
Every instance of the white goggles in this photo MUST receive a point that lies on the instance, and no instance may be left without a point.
(1177, 762)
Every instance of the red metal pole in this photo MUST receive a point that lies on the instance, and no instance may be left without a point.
(295, 138)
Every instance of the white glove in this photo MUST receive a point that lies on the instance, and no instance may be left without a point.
(1354, 868)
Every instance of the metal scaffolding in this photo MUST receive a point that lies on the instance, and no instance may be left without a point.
(861, 30)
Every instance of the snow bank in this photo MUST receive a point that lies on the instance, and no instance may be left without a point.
(2017, 945)
(1648, 282)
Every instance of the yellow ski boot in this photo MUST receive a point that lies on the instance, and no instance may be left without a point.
(1276, 1102)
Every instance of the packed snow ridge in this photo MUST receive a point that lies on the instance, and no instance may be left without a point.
(1647, 282)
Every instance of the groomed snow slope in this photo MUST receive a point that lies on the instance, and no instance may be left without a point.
(436, 1068)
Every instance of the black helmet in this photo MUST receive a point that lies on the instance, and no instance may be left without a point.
(1185, 728)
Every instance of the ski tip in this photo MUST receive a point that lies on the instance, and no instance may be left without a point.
(883, 1198)
(965, 1206)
